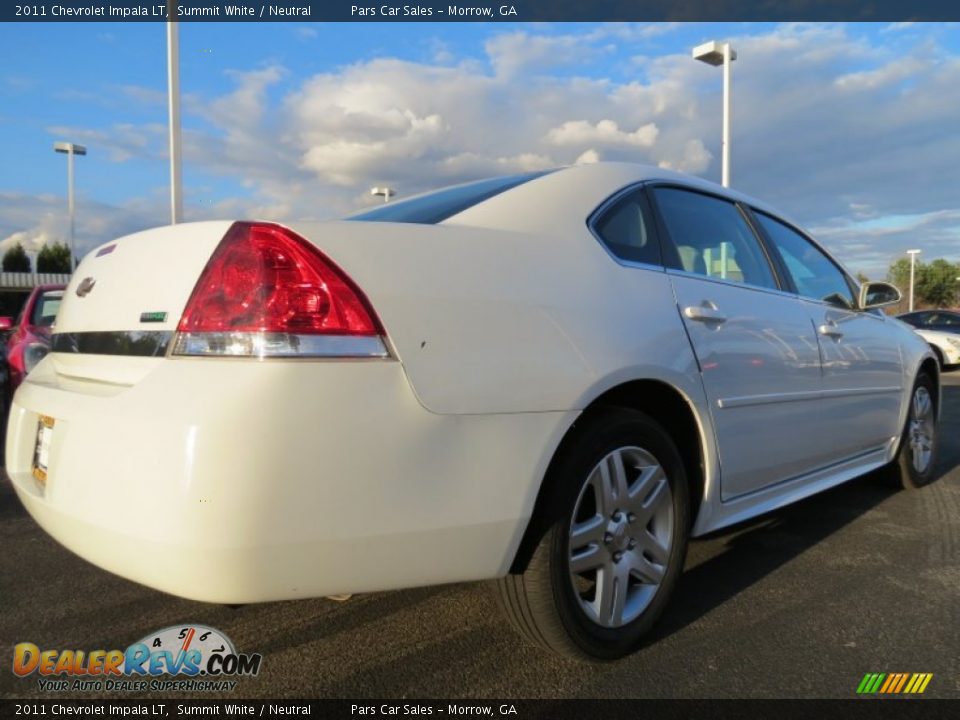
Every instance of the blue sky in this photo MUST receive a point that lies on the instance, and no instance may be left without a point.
(850, 129)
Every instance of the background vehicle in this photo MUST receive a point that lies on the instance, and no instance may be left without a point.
(29, 339)
(939, 320)
(941, 329)
(536, 379)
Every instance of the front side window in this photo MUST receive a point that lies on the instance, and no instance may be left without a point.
(916, 319)
(625, 229)
(712, 238)
(815, 275)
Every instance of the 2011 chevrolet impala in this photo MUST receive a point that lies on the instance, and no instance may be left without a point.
(553, 379)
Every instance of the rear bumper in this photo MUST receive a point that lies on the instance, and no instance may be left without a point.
(243, 481)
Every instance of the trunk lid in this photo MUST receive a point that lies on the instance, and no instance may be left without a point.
(125, 294)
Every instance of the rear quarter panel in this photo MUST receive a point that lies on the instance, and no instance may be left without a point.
(492, 321)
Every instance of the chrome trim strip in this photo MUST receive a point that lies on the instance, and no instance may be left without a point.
(278, 345)
(731, 283)
(851, 392)
(134, 343)
(751, 400)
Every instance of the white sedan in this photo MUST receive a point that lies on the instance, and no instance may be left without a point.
(941, 329)
(552, 379)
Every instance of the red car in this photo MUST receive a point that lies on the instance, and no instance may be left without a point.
(29, 338)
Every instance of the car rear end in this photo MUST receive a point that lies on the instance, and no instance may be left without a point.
(223, 417)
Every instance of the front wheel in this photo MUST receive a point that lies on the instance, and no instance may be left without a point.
(914, 465)
(615, 544)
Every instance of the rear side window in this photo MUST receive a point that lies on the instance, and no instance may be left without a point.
(45, 309)
(625, 229)
(711, 238)
(815, 275)
(435, 207)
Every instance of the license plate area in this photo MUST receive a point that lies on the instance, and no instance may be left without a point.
(41, 452)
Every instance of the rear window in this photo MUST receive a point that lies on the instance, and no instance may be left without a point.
(437, 206)
(45, 309)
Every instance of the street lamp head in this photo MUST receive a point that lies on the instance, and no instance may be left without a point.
(385, 192)
(65, 147)
(913, 252)
(712, 53)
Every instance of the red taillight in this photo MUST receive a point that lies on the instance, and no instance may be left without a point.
(264, 278)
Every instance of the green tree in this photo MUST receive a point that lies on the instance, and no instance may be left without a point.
(936, 283)
(862, 278)
(899, 274)
(15, 259)
(54, 258)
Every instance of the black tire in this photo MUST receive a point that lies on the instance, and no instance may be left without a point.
(940, 359)
(542, 603)
(903, 470)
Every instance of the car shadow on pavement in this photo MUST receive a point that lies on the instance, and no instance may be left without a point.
(754, 549)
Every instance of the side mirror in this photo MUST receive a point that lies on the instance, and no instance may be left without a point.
(878, 294)
(5, 323)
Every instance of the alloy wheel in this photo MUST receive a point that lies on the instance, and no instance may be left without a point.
(620, 536)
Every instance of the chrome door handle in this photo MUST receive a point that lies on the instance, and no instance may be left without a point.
(831, 330)
(706, 313)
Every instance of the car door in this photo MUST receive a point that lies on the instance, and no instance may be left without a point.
(862, 377)
(756, 347)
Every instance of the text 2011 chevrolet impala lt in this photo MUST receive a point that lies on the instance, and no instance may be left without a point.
(553, 379)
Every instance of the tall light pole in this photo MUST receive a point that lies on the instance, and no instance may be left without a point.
(913, 261)
(173, 106)
(386, 192)
(714, 53)
(70, 149)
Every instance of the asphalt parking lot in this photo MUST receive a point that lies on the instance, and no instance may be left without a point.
(801, 603)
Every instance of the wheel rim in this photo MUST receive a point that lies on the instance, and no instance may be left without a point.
(620, 536)
(921, 429)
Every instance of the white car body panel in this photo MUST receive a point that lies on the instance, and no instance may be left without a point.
(944, 342)
(231, 500)
(241, 480)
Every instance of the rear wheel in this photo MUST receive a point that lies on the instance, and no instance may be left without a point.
(615, 543)
(914, 465)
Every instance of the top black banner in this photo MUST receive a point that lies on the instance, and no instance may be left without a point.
(478, 11)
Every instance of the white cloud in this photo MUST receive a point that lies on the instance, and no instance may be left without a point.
(694, 159)
(604, 132)
(516, 52)
(121, 141)
(587, 157)
(891, 73)
(829, 125)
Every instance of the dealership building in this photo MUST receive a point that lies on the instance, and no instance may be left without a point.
(16, 286)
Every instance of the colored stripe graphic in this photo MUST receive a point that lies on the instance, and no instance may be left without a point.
(903, 680)
(894, 683)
